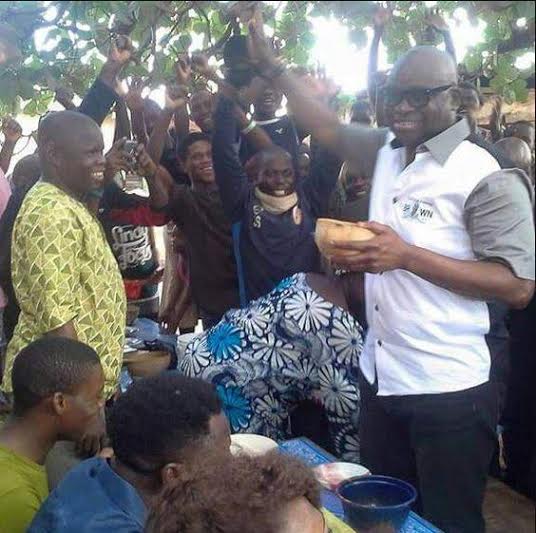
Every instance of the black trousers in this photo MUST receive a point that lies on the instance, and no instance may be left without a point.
(440, 443)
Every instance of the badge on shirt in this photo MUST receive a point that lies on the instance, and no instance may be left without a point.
(417, 210)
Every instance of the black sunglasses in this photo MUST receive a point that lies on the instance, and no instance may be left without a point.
(416, 98)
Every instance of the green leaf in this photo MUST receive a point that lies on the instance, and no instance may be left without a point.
(185, 42)
(25, 89)
(525, 10)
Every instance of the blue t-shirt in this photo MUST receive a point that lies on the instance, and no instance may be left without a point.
(91, 498)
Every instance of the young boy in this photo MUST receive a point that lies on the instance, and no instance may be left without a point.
(58, 394)
(274, 217)
(157, 429)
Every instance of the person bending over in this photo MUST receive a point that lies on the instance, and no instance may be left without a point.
(58, 393)
(157, 428)
(274, 217)
(298, 343)
(272, 493)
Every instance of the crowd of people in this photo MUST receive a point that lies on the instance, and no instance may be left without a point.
(392, 352)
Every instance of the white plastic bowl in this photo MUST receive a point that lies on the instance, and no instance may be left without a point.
(250, 444)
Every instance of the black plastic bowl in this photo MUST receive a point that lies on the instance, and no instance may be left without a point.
(372, 501)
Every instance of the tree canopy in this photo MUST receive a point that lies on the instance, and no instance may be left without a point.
(72, 37)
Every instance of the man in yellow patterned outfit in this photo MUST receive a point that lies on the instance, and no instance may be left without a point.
(65, 276)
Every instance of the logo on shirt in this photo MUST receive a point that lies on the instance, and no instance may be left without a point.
(417, 210)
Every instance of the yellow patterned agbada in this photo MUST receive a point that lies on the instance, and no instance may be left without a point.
(63, 270)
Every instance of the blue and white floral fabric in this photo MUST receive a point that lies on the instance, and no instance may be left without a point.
(287, 346)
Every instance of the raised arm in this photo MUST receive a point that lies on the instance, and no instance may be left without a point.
(436, 21)
(351, 142)
(12, 131)
(230, 174)
(134, 101)
(175, 99)
(181, 117)
(381, 17)
(122, 122)
(255, 135)
(102, 94)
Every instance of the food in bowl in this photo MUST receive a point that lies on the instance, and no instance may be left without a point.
(331, 475)
(329, 232)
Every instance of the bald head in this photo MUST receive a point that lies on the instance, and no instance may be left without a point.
(64, 128)
(26, 171)
(518, 151)
(70, 151)
(424, 66)
(420, 97)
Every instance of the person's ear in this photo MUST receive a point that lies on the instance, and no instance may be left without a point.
(59, 403)
(455, 96)
(50, 153)
(171, 473)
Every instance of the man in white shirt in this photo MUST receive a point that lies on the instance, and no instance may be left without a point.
(453, 231)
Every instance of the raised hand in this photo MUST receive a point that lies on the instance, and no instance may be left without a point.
(65, 97)
(183, 70)
(201, 66)
(134, 98)
(145, 165)
(260, 49)
(117, 158)
(176, 97)
(121, 50)
(11, 129)
(381, 17)
(435, 20)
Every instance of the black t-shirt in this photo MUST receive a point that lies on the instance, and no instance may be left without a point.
(283, 133)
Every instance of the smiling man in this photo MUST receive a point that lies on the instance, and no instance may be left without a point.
(453, 232)
(274, 216)
(65, 276)
(198, 211)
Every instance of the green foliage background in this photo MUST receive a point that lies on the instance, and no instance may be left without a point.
(163, 29)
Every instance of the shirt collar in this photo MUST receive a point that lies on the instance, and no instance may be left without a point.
(442, 145)
(120, 492)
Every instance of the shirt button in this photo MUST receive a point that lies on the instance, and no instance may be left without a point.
(379, 343)
(395, 199)
(376, 308)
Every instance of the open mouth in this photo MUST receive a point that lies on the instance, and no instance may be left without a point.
(98, 176)
(405, 125)
(280, 192)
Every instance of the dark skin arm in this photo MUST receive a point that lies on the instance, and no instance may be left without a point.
(181, 116)
(134, 101)
(258, 138)
(381, 17)
(122, 122)
(435, 20)
(175, 99)
(483, 280)
(158, 178)
(310, 113)
(12, 131)
(119, 55)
